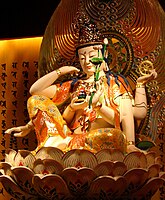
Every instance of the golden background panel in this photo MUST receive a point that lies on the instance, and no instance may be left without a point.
(19, 65)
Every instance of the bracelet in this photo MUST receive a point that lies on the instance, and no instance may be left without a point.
(71, 109)
(141, 93)
(126, 97)
(29, 124)
(130, 143)
(58, 72)
(140, 85)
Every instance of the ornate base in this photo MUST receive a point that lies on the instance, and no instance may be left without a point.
(81, 174)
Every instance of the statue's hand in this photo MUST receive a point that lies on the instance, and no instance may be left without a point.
(20, 131)
(149, 77)
(68, 70)
(78, 104)
(99, 91)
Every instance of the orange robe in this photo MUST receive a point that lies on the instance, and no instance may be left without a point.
(47, 118)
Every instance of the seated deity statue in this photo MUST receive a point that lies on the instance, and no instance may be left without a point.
(100, 109)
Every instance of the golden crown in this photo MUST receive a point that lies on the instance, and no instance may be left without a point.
(87, 31)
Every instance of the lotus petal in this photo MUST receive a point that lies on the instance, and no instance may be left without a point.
(2, 172)
(104, 168)
(13, 189)
(106, 187)
(51, 186)
(162, 175)
(136, 178)
(6, 168)
(10, 155)
(23, 177)
(79, 158)
(50, 153)
(154, 170)
(110, 168)
(158, 160)
(150, 158)
(135, 159)
(118, 169)
(47, 166)
(109, 155)
(24, 158)
(78, 180)
(149, 189)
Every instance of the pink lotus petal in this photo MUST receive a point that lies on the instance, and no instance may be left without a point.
(6, 168)
(162, 175)
(135, 179)
(50, 186)
(47, 166)
(154, 170)
(135, 160)
(149, 189)
(108, 187)
(50, 153)
(78, 180)
(79, 158)
(13, 189)
(150, 158)
(23, 177)
(118, 169)
(158, 160)
(9, 156)
(104, 168)
(24, 158)
(109, 155)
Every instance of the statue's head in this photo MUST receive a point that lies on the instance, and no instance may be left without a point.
(87, 54)
(89, 44)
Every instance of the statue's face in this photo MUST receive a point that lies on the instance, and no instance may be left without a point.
(85, 56)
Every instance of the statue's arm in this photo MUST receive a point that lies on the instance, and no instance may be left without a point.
(44, 85)
(140, 101)
(21, 131)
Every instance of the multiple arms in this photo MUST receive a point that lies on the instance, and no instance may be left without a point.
(44, 85)
(140, 102)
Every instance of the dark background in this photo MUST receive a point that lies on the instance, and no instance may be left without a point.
(25, 18)
(28, 18)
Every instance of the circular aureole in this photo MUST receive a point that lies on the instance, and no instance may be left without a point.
(120, 53)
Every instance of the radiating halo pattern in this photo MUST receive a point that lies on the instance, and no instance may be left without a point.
(58, 43)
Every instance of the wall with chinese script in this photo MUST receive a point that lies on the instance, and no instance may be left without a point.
(18, 71)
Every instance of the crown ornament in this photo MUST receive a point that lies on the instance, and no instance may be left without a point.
(86, 30)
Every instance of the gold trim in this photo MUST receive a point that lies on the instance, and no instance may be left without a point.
(58, 72)
(29, 125)
(140, 85)
(130, 143)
